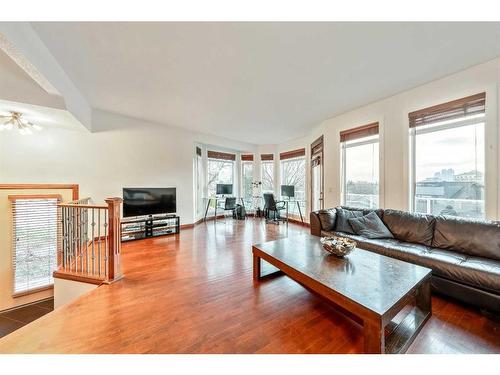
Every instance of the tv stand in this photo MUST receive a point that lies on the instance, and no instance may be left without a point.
(149, 226)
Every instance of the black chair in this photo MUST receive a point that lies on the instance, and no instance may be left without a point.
(229, 205)
(272, 209)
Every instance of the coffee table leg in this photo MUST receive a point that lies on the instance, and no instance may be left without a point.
(423, 297)
(374, 337)
(256, 267)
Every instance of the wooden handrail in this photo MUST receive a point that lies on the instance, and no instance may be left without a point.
(97, 206)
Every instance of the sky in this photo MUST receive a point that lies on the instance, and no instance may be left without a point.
(459, 148)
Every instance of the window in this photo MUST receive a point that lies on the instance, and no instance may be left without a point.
(360, 166)
(267, 172)
(220, 170)
(447, 144)
(34, 242)
(293, 172)
(247, 180)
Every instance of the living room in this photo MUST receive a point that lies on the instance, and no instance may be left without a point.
(250, 188)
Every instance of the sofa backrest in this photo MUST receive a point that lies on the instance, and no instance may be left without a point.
(410, 227)
(476, 238)
(366, 211)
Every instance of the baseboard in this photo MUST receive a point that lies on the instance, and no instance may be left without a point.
(189, 226)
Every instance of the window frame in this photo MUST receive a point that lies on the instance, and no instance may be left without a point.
(273, 174)
(344, 145)
(421, 130)
(234, 175)
(12, 199)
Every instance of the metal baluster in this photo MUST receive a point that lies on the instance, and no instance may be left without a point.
(99, 241)
(93, 239)
(72, 213)
(80, 239)
(106, 238)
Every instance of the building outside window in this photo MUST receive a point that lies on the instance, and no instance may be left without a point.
(448, 158)
(360, 166)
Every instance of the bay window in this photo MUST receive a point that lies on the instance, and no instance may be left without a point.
(293, 173)
(267, 173)
(247, 180)
(448, 158)
(220, 170)
(360, 166)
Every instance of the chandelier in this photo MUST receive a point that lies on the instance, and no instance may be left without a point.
(15, 120)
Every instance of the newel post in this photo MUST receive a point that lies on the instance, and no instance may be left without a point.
(114, 238)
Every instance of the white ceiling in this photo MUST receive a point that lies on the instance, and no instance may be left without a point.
(261, 83)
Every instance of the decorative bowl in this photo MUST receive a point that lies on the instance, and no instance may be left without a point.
(338, 246)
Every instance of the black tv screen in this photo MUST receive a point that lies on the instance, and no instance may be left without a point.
(287, 191)
(224, 189)
(148, 201)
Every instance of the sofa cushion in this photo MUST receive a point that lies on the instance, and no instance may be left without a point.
(327, 218)
(476, 238)
(342, 222)
(410, 227)
(474, 271)
(365, 211)
(370, 226)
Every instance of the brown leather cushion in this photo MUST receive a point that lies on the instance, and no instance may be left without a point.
(479, 272)
(410, 227)
(327, 218)
(477, 238)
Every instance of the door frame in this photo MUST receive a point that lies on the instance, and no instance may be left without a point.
(317, 150)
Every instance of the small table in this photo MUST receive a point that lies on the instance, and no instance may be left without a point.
(371, 288)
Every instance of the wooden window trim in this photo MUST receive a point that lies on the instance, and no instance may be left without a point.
(293, 154)
(73, 187)
(221, 155)
(36, 196)
(317, 146)
(267, 157)
(247, 157)
(33, 291)
(359, 132)
(469, 105)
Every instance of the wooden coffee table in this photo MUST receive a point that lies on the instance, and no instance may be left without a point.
(371, 288)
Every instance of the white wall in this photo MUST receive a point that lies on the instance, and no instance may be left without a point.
(66, 291)
(133, 152)
(392, 114)
(129, 152)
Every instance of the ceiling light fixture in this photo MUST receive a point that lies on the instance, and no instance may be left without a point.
(15, 120)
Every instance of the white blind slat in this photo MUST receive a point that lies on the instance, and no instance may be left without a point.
(35, 238)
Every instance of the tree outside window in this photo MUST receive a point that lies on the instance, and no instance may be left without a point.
(293, 172)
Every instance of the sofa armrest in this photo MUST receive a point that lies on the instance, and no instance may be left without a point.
(315, 224)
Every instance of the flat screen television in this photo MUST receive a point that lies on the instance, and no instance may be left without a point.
(224, 189)
(148, 201)
(288, 191)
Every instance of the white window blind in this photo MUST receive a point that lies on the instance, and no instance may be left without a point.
(35, 238)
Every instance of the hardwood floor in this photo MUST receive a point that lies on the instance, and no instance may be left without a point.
(194, 293)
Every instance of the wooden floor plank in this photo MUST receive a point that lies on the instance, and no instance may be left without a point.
(194, 293)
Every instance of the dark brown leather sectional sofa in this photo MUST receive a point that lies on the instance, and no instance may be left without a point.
(464, 255)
